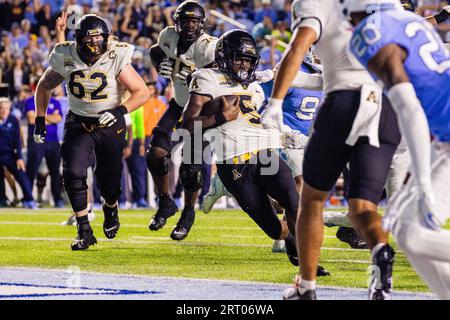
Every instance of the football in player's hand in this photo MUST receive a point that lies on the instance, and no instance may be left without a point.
(216, 105)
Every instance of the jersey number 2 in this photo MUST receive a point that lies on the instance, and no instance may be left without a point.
(428, 48)
(77, 88)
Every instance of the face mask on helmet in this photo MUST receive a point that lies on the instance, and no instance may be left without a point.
(189, 20)
(93, 45)
(243, 66)
(92, 34)
(237, 56)
(190, 28)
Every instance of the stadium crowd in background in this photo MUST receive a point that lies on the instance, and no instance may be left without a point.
(29, 31)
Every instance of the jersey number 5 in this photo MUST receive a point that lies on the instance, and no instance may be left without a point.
(78, 90)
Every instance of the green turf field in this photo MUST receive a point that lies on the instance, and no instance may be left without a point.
(221, 245)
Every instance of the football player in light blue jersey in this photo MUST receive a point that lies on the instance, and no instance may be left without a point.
(300, 104)
(406, 54)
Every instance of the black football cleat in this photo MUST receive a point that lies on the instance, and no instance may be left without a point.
(321, 272)
(84, 239)
(350, 236)
(111, 223)
(167, 208)
(381, 282)
(184, 225)
(293, 294)
(291, 250)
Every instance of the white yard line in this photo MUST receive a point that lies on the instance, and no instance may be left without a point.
(169, 242)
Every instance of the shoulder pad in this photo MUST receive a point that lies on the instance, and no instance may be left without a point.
(64, 47)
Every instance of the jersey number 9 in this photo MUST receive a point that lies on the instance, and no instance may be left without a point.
(307, 108)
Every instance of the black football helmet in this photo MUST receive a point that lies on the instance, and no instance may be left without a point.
(408, 5)
(232, 45)
(186, 11)
(88, 26)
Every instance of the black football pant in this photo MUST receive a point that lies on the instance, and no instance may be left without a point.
(327, 154)
(251, 188)
(82, 137)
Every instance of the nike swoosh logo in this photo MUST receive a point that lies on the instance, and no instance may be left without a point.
(119, 131)
(110, 229)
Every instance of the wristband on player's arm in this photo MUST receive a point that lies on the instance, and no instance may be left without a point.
(123, 110)
(442, 16)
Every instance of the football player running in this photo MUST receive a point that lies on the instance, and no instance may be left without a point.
(179, 51)
(245, 164)
(354, 125)
(96, 71)
(404, 51)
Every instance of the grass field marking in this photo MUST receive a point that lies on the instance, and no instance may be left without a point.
(170, 242)
(348, 261)
(144, 226)
(125, 225)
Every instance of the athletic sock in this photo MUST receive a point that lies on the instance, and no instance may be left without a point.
(83, 223)
(306, 285)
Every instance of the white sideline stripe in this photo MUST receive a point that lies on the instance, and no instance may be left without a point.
(213, 281)
(167, 242)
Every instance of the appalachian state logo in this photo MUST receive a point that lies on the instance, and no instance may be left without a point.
(372, 97)
(236, 174)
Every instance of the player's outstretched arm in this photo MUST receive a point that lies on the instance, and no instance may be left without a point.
(133, 82)
(387, 64)
(303, 38)
(50, 80)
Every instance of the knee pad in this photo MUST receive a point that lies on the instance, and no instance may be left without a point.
(191, 177)
(75, 183)
(74, 178)
(161, 138)
(156, 164)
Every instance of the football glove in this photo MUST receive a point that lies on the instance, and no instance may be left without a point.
(264, 76)
(184, 76)
(110, 117)
(40, 130)
(272, 116)
(165, 69)
(293, 139)
(426, 201)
